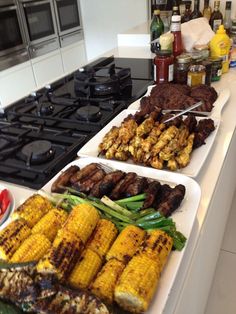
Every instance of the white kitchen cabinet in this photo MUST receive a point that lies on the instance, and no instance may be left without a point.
(73, 56)
(16, 82)
(47, 68)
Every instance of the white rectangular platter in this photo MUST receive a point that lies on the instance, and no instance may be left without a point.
(197, 159)
(223, 96)
(184, 218)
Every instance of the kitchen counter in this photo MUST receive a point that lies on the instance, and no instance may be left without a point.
(217, 181)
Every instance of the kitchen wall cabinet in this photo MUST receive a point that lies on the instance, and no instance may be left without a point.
(73, 57)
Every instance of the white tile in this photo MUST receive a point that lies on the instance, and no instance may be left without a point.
(229, 243)
(222, 297)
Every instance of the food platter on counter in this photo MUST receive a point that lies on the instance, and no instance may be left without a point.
(197, 159)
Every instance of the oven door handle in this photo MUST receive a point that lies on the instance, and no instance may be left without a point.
(10, 8)
(26, 5)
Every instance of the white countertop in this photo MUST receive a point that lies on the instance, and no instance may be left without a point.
(217, 180)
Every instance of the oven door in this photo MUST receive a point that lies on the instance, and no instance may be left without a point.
(11, 31)
(39, 20)
(68, 16)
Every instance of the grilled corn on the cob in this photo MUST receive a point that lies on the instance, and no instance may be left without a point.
(137, 283)
(32, 249)
(85, 270)
(82, 221)
(33, 209)
(126, 244)
(104, 285)
(157, 245)
(50, 223)
(62, 256)
(102, 237)
(12, 236)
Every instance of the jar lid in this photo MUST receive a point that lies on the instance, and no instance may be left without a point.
(201, 47)
(163, 52)
(197, 68)
(215, 60)
(184, 58)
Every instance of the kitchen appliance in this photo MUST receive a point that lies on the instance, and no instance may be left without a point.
(41, 133)
(40, 25)
(13, 46)
(69, 21)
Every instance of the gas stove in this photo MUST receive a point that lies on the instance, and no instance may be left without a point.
(40, 134)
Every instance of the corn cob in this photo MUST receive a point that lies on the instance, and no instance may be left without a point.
(50, 223)
(82, 221)
(126, 244)
(157, 245)
(85, 270)
(104, 285)
(11, 238)
(102, 237)
(61, 258)
(33, 209)
(32, 249)
(137, 284)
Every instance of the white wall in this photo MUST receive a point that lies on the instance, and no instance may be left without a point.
(104, 19)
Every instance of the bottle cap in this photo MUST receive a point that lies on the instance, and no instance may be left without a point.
(164, 53)
(156, 12)
(175, 18)
(228, 5)
(221, 30)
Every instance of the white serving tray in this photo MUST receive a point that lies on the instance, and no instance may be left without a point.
(223, 96)
(197, 159)
(184, 217)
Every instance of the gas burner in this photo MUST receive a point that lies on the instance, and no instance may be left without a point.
(45, 108)
(37, 152)
(89, 113)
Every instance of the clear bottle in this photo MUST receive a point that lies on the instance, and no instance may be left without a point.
(196, 12)
(227, 17)
(176, 31)
(187, 13)
(207, 10)
(216, 17)
(156, 29)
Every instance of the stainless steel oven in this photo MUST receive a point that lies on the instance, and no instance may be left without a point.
(69, 21)
(13, 45)
(40, 24)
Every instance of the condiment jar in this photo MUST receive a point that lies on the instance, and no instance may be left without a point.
(196, 75)
(208, 65)
(216, 70)
(163, 66)
(181, 68)
(203, 51)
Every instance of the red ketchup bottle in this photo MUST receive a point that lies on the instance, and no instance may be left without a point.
(176, 31)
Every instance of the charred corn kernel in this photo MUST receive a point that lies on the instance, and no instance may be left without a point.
(85, 270)
(82, 221)
(126, 244)
(32, 249)
(102, 237)
(104, 285)
(137, 283)
(33, 209)
(50, 223)
(157, 244)
(62, 256)
(12, 236)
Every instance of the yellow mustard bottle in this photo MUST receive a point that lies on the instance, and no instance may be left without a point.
(220, 47)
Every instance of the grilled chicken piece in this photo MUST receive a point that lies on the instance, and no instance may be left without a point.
(202, 131)
(87, 184)
(136, 187)
(120, 188)
(151, 193)
(175, 197)
(83, 173)
(64, 179)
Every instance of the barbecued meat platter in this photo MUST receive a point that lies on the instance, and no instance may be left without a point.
(181, 145)
(179, 97)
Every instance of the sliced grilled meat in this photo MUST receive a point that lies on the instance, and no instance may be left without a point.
(87, 184)
(83, 173)
(151, 193)
(120, 188)
(136, 187)
(64, 179)
(162, 195)
(190, 122)
(202, 131)
(175, 197)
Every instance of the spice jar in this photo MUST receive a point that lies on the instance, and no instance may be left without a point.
(163, 66)
(181, 68)
(216, 70)
(208, 65)
(196, 75)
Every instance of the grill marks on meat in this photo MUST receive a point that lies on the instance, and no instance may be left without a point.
(121, 187)
(87, 183)
(151, 193)
(136, 187)
(85, 172)
(206, 94)
(64, 179)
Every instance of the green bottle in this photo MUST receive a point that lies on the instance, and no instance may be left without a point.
(156, 29)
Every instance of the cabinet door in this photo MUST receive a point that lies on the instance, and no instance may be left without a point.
(16, 82)
(73, 57)
(47, 68)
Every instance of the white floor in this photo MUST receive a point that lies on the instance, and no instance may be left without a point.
(222, 298)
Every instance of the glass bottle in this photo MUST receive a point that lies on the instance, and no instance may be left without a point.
(176, 31)
(187, 13)
(175, 10)
(196, 12)
(227, 17)
(216, 17)
(156, 29)
(207, 10)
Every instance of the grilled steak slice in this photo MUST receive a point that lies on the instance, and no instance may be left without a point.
(64, 179)
(83, 173)
(120, 188)
(151, 193)
(202, 131)
(136, 187)
(87, 184)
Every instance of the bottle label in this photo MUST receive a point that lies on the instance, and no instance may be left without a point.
(203, 78)
(216, 24)
(175, 27)
(189, 81)
(155, 73)
(171, 73)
